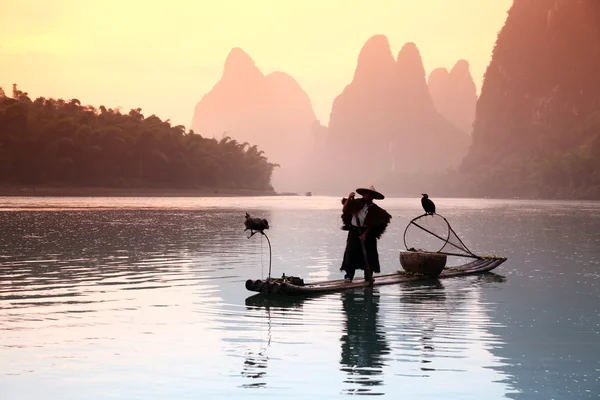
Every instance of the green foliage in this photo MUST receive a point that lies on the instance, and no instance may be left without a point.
(48, 141)
(539, 109)
(555, 175)
(569, 174)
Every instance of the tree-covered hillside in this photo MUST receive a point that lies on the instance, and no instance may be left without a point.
(48, 141)
(537, 126)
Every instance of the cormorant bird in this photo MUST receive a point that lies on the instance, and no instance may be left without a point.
(427, 204)
(255, 224)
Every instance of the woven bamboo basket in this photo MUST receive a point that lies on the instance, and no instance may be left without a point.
(431, 264)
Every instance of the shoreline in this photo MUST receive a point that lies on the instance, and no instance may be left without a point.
(48, 191)
(57, 191)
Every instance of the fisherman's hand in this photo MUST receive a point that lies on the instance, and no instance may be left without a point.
(351, 196)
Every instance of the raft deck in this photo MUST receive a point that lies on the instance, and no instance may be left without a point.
(288, 289)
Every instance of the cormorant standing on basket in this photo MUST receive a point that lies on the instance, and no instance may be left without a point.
(365, 223)
(427, 204)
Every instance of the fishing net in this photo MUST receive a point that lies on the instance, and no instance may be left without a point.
(433, 233)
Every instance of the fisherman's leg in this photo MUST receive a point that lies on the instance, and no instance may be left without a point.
(350, 264)
(346, 261)
(350, 271)
(348, 268)
(353, 255)
(372, 258)
(344, 258)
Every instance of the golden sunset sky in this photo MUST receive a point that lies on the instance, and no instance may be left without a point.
(163, 56)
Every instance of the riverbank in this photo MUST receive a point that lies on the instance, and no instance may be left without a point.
(44, 191)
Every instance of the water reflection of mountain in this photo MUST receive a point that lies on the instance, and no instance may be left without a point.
(363, 342)
(76, 253)
(123, 238)
(439, 333)
(549, 323)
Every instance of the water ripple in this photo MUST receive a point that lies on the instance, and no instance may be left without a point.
(100, 298)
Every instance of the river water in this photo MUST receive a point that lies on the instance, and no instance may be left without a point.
(144, 298)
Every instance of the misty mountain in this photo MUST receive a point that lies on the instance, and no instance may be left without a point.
(271, 111)
(385, 122)
(454, 94)
(537, 119)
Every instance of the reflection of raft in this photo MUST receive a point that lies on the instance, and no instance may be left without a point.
(285, 287)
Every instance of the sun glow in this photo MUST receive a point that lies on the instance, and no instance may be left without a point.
(163, 57)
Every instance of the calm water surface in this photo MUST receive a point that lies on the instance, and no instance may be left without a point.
(144, 298)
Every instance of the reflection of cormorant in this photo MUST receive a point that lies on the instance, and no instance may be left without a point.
(363, 342)
(427, 204)
(255, 363)
(255, 367)
(428, 305)
(426, 299)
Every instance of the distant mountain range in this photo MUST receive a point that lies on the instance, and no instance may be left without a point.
(270, 111)
(533, 132)
(454, 94)
(384, 121)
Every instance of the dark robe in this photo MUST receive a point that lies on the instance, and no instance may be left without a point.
(377, 220)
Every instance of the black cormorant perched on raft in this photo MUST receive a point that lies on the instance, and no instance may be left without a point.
(427, 204)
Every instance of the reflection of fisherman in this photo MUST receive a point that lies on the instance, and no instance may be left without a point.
(363, 342)
(365, 222)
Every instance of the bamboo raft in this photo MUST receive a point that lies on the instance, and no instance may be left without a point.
(282, 286)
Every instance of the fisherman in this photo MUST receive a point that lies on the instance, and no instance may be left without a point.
(365, 223)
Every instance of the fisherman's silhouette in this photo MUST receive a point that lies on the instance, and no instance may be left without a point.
(363, 342)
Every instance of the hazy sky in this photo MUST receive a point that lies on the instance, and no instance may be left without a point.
(163, 56)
